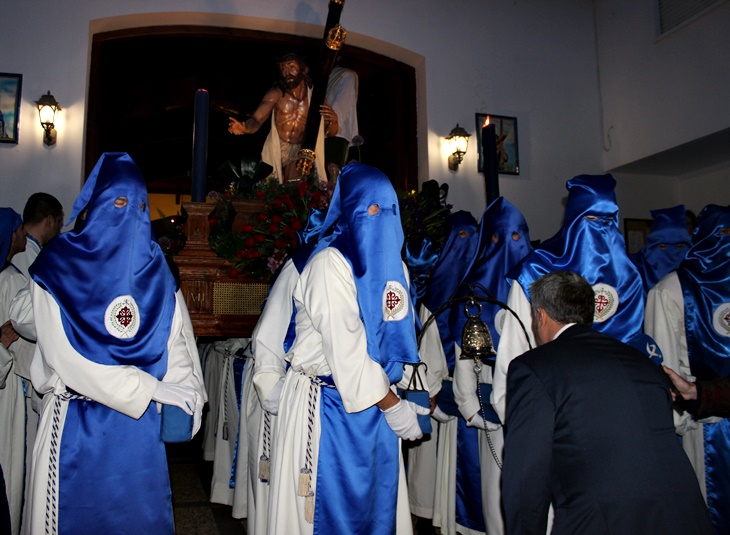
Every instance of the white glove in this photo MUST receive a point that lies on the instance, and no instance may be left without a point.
(174, 394)
(271, 403)
(403, 419)
(480, 423)
(441, 416)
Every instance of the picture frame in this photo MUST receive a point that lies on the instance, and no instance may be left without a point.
(10, 91)
(507, 142)
(635, 232)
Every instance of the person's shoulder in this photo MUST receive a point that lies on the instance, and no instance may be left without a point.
(329, 257)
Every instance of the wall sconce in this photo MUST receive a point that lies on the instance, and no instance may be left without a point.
(47, 108)
(458, 140)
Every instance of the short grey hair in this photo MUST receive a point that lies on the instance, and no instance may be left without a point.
(565, 296)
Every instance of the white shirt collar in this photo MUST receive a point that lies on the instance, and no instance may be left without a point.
(562, 329)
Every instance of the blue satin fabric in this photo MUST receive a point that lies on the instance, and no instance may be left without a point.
(705, 279)
(111, 254)
(454, 259)
(372, 246)
(595, 249)
(357, 471)
(9, 222)
(668, 230)
(113, 473)
(420, 257)
(468, 478)
(493, 260)
(717, 473)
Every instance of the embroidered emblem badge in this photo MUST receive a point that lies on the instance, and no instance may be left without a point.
(606, 302)
(121, 318)
(721, 319)
(395, 301)
(499, 318)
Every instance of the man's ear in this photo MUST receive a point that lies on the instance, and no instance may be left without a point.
(540, 316)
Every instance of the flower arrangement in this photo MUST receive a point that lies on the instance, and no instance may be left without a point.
(423, 215)
(258, 248)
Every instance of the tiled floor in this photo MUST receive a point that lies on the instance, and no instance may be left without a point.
(190, 478)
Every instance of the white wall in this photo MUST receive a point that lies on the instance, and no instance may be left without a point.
(659, 93)
(531, 59)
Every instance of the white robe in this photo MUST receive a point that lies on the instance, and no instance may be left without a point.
(422, 457)
(465, 395)
(512, 343)
(664, 322)
(269, 368)
(14, 379)
(326, 343)
(57, 365)
(227, 421)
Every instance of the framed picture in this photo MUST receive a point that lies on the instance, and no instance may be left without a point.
(635, 231)
(508, 156)
(10, 86)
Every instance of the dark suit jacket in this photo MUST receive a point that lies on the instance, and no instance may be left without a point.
(589, 428)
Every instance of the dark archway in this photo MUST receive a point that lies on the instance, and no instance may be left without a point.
(141, 94)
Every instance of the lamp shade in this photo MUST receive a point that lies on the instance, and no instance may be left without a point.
(458, 140)
(47, 107)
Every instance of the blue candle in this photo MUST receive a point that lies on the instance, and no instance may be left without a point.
(200, 145)
(490, 167)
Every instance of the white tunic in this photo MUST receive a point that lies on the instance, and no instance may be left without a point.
(422, 456)
(512, 343)
(664, 322)
(330, 340)
(14, 368)
(57, 365)
(269, 367)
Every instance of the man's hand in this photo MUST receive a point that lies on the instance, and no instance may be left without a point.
(236, 127)
(175, 394)
(331, 123)
(403, 419)
(8, 334)
(480, 423)
(686, 389)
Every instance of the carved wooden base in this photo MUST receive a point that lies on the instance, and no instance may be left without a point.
(219, 305)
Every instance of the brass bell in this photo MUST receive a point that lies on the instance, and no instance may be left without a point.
(476, 340)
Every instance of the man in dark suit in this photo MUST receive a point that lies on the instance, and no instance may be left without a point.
(589, 429)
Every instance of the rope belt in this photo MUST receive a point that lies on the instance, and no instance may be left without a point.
(51, 509)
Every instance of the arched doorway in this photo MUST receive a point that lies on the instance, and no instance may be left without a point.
(143, 80)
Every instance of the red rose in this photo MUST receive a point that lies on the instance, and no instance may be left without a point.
(289, 203)
(303, 187)
(260, 195)
(253, 254)
(273, 229)
(278, 202)
(276, 218)
(246, 229)
(240, 253)
(296, 224)
(295, 243)
(233, 273)
(262, 217)
(249, 242)
(213, 221)
(259, 238)
(280, 244)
